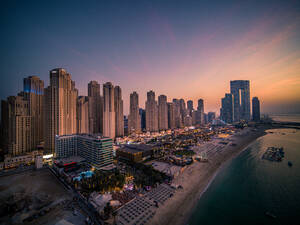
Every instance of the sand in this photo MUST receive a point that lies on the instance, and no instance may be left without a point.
(196, 178)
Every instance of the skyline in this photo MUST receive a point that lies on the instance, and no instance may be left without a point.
(188, 51)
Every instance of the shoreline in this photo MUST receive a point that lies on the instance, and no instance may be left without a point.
(198, 177)
(222, 166)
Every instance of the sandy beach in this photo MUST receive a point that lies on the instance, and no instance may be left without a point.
(196, 178)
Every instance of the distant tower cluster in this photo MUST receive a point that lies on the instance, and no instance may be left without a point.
(162, 115)
(37, 115)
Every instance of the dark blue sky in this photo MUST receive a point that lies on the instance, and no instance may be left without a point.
(172, 47)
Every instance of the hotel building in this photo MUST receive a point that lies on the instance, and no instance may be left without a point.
(60, 106)
(97, 150)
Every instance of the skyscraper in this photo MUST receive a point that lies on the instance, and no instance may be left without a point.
(211, 116)
(162, 112)
(18, 122)
(255, 109)
(190, 107)
(119, 112)
(83, 115)
(182, 110)
(151, 112)
(109, 114)
(240, 89)
(142, 113)
(59, 107)
(134, 120)
(226, 112)
(171, 115)
(34, 94)
(95, 108)
(188, 121)
(200, 112)
(178, 118)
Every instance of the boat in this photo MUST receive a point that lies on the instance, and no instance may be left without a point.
(270, 215)
(290, 163)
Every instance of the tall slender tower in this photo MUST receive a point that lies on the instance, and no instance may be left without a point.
(255, 109)
(162, 112)
(200, 112)
(182, 110)
(134, 120)
(34, 93)
(95, 108)
(83, 115)
(226, 112)
(240, 89)
(151, 112)
(109, 115)
(119, 112)
(190, 107)
(59, 107)
(171, 115)
(18, 122)
(178, 120)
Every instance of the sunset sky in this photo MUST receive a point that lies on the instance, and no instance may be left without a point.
(183, 49)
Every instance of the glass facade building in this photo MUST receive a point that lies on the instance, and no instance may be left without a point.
(97, 150)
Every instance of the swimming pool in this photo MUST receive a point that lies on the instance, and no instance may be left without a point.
(87, 174)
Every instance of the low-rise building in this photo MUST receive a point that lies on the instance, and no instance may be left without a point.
(15, 161)
(135, 152)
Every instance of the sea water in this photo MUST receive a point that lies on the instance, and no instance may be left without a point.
(249, 186)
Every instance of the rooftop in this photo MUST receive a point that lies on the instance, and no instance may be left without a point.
(87, 136)
(134, 148)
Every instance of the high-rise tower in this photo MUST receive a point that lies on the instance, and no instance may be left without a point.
(34, 94)
(200, 112)
(162, 112)
(255, 109)
(151, 112)
(226, 112)
(171, 115)
(95, 108)
(190, 107)
(119, 112)
(178, 118)
(18, 122)
(182, 110)
(109, 114)
(240, 89)
(83, 115)
(134, 120)
(59, 107)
